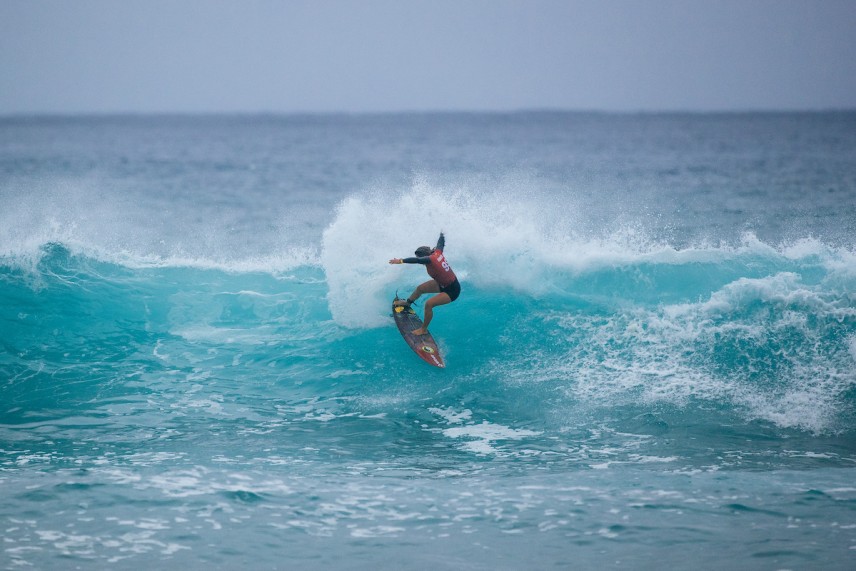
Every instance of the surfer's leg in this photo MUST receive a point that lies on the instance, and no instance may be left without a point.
(430, 286)
(439, 299)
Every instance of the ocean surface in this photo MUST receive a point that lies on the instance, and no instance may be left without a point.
(652, 363)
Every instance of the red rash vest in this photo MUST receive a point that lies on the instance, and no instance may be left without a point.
(439, 269)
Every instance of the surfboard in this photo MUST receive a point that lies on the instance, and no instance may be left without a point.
(423, 345)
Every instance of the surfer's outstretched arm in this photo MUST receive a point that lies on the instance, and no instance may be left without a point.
(423, 260)
(441, 242)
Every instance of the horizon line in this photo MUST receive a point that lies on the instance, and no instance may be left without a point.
(517, 111)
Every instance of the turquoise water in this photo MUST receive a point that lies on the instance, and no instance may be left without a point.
(652, 363)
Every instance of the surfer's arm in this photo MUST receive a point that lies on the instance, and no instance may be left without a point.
(441, 242)
(426, 260)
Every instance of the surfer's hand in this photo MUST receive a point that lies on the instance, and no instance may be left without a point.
(395, 261)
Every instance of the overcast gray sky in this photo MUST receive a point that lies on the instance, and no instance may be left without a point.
(398, 55)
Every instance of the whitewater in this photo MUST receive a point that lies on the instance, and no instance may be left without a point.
(652, 362)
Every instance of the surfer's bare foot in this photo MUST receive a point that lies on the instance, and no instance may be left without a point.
(420, 331)
(399, 302)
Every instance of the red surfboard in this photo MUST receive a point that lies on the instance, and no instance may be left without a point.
(423, 345)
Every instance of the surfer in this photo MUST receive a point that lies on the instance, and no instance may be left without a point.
(444, 282)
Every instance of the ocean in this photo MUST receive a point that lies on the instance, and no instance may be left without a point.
(652, 363)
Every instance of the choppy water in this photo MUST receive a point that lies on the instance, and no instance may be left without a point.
(652, 363)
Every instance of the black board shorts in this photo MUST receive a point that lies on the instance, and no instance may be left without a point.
(453, 290)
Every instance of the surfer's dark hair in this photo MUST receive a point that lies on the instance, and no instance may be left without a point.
(423, 251)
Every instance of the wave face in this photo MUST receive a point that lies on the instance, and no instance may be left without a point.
(751, 332)
(619, 376)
